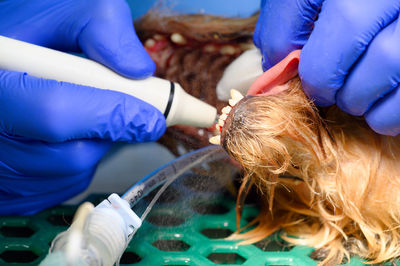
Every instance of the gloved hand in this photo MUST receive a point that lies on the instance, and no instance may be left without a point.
(350, 57)
(52, 134)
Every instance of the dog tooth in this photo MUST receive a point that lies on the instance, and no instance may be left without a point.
(149, 43)
(227, 50)
(232, 102)
(226, 109)
(223, 117)
(236, 95)
(215, 140)
(158, 37)
(178, 38)
(210, 48)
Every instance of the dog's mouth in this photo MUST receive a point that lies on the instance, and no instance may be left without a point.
(194, 50)
(166, 36)
(163, 47)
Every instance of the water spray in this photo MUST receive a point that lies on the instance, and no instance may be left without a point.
(99, 235)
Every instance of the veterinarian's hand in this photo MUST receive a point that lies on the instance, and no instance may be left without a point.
(351, 53)
(52, 134)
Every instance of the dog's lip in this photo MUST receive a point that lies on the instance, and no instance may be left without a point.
(272, 80)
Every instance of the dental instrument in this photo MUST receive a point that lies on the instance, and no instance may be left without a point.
(177, 106)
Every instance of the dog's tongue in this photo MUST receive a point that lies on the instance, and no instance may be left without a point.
(274, 79)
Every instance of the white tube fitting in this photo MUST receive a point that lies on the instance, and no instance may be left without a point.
(121, 206)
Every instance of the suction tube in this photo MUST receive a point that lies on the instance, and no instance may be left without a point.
(99, 236)
(168, 97)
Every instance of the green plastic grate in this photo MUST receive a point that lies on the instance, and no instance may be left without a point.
(187, 226)
(175, 241)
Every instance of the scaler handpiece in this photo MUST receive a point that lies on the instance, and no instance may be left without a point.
(168, 97)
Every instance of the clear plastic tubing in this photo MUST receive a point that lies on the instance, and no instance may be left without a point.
(104, 235)
(168, 173)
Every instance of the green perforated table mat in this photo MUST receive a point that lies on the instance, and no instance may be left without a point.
(175, 241)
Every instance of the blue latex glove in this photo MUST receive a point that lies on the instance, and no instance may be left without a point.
(351, 53)
(52, 134)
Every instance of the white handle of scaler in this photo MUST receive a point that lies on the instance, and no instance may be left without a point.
(51, 64)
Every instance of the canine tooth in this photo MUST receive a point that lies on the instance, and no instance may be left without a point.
(236, 95)
(215, 140)
(149, 43)
(227, 50)
(226, 109)
(178, 38)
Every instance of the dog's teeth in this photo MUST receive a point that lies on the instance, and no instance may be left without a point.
(210, 48)
(236, 95)
(232, 102)
(178, 38)
(149, 43)
(227, 50)
(215, 140)
(158, 37)
(226, 109)
(223, 117)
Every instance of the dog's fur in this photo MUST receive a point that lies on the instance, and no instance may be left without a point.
(325, 177)
(329, 182)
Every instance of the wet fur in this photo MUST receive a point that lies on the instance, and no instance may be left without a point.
(330, 183)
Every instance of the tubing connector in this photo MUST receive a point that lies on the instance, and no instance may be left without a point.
(98, 236)
(122, 207)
